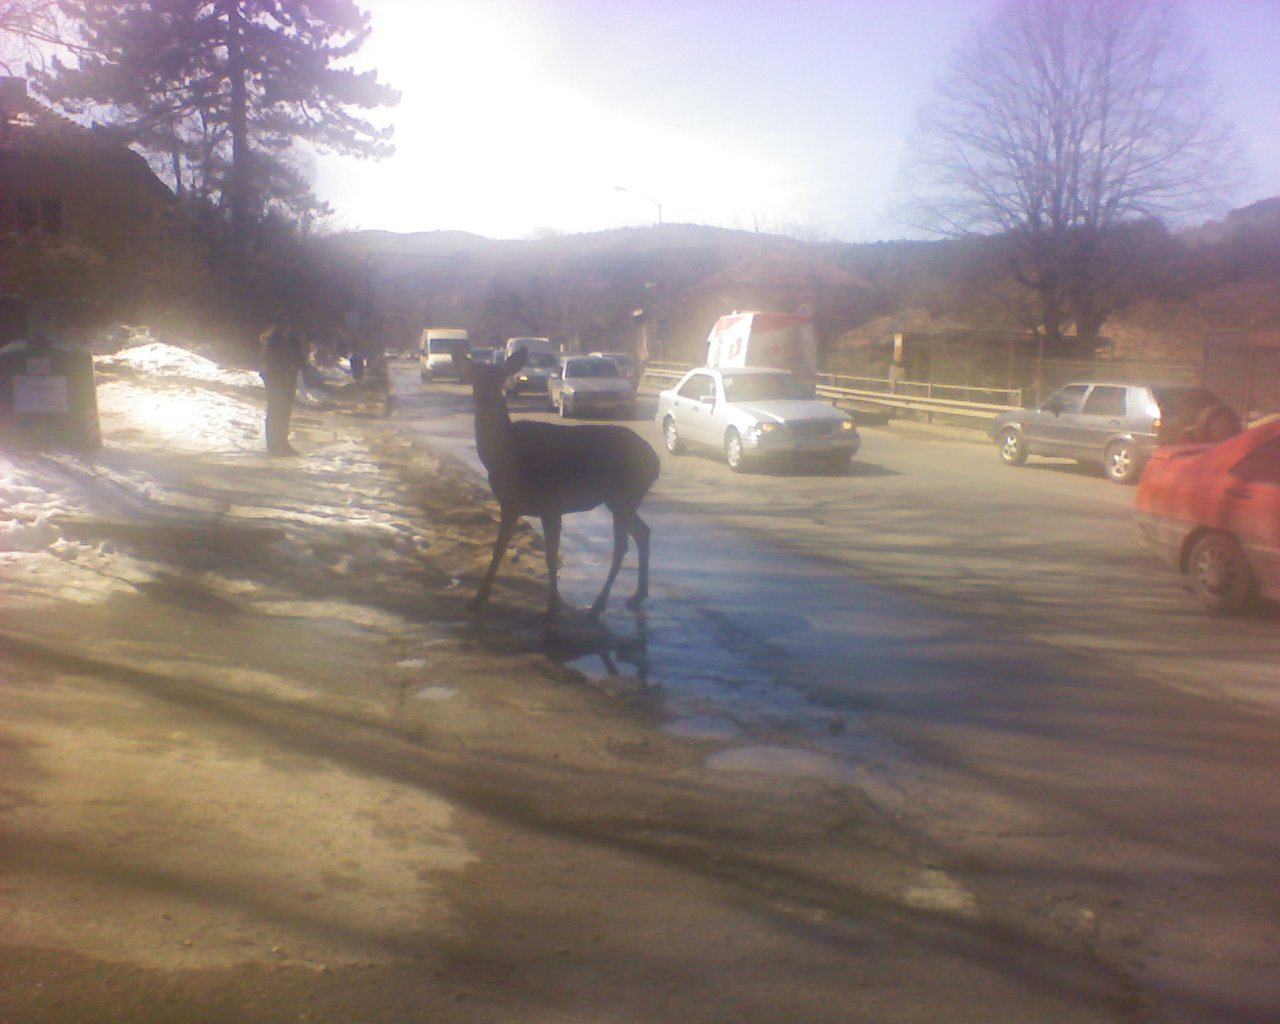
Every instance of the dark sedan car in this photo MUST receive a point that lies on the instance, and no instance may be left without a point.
(533, 377)
(1113, 425)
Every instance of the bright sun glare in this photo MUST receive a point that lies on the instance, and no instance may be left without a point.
(489, 139)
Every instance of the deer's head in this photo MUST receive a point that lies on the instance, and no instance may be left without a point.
(487, 379)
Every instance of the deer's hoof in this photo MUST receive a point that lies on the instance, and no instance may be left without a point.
(477, 603)
(635, 601)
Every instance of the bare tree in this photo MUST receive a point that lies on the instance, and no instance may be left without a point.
(1057, 126)
(30, 31)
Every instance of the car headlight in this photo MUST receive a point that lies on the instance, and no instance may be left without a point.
(760, 429)
(523, 378)
(846, 426)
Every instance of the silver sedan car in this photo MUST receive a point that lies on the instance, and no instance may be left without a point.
(591, 384)
(754, 415)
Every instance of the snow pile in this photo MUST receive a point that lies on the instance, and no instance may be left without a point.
(172, 422)
(156, 359)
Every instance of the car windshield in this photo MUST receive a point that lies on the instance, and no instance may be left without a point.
(543, 361)
(446, 345)
(759, 387)
(590, 368)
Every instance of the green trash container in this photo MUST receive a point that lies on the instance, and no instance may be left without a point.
(48, 396)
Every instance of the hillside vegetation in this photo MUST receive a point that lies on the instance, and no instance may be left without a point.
(663, 287)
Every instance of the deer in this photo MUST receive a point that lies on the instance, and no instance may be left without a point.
(546, 470)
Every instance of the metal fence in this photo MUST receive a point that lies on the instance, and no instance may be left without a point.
(931, 399)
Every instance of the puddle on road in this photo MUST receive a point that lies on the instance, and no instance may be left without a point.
(702, 727)
(720, 683)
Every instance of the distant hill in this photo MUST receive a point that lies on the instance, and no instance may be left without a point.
(660, 288)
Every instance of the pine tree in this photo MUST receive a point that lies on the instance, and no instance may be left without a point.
(221, 92)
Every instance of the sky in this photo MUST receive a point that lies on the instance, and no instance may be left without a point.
(521, 117)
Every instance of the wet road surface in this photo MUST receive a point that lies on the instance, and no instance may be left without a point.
(1134, 809)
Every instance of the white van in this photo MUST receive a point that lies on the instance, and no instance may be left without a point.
(441, 352)
(779, 340)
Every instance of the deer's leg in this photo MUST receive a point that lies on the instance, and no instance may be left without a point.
(551, 534)
(640, 531)
(620, 524)
(506, 527)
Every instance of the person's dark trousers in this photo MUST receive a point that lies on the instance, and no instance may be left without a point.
(280, 391)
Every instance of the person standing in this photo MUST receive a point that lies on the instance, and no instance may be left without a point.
(284, 353)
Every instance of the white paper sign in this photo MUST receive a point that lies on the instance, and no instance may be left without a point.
(40, 394)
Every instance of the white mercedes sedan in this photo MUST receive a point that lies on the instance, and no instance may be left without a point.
(754, 415)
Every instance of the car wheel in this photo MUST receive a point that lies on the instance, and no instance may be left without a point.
(1013, 450)
(672, 437)
(1121, 463)
(1220, 574)
(733, 450)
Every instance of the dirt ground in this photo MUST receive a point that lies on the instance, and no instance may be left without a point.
(295, 780)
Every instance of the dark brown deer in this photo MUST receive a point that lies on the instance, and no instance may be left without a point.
(546, 469)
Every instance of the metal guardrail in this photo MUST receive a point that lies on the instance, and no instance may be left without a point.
(939, 399)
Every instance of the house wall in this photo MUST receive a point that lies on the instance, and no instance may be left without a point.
(109, 200)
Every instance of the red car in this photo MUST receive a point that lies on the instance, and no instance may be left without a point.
(1213, 513)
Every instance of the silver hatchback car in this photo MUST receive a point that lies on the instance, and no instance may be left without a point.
(1114, 425)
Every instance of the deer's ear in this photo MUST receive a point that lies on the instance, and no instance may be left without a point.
(516, 362)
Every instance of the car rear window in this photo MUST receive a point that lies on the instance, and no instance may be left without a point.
(591, 368)
(1262, 465)
(1105, 400)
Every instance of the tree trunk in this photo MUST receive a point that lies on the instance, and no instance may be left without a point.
(238, 199)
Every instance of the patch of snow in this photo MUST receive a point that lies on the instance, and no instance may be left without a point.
(437, 693)
(170, 401)
(785, 761)
(156, 359)
(179, 418)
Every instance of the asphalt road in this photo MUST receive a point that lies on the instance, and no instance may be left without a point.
(991, 656)
(1048, 551)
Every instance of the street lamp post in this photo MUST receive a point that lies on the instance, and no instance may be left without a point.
(620, 188)
(659, 315)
